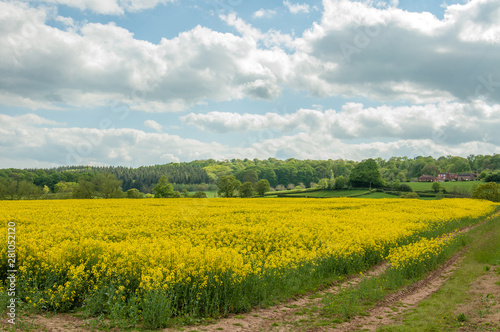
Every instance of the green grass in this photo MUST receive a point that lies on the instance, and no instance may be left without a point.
(294, 191)
(210, 194)
(331, 193)
(439, 311)
(379, 195)
(362, 193)
(422, 186)
(416, 186)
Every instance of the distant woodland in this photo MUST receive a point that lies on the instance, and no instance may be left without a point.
(204, 175)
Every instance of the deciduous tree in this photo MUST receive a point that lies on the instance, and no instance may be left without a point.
(489, 191)
(108, 186)
(246, 190)
(262, 187)
(365, 174)
(228, 185)
(85, 189)
(340, 182)
(134, 193)
(163, 188)
(200, 194)
(28, 190)
(323, 183)
(436, 187)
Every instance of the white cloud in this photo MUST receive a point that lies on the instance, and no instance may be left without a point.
(26, 119)
(272, 39)
(446, 67)
(169, 158)
(264, 13)
(67, 21)
(303, 146)
(100, 63)
(29, 138)
(476, 21)
(383, 3)
(109, 7)
(296, 8)
(445, 123)
(391, 54)
(153, 125)
(385, 54)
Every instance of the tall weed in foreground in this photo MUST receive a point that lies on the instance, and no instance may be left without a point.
(157, 309)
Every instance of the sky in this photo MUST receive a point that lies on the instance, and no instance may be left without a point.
(135, 83)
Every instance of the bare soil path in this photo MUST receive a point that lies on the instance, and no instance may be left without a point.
(280, 317)
(391, 310)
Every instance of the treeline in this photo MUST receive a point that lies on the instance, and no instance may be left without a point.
(142, 178)
(203, 175)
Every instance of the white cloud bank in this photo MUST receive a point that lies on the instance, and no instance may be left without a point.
(445, 70)
(98, 64)
(391, 54)
(354, 132)
(109, 7)
(384, 54)
(32, 141)
(445, 123)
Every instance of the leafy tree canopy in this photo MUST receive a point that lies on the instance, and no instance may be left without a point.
(228, 185)
(495, 177)
(204, 175)
(200, 194)
(163, 188)
(262, 187)
(489, 191)
(365, 174)
(246, 190)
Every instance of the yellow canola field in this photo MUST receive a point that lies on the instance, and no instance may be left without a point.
(423, 250)
(158, 243)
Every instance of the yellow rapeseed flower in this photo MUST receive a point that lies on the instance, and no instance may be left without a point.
(159, 243)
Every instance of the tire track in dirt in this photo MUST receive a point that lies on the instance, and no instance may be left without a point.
(47, 323)
(406, 299)
(272, 319)
(483, 308)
